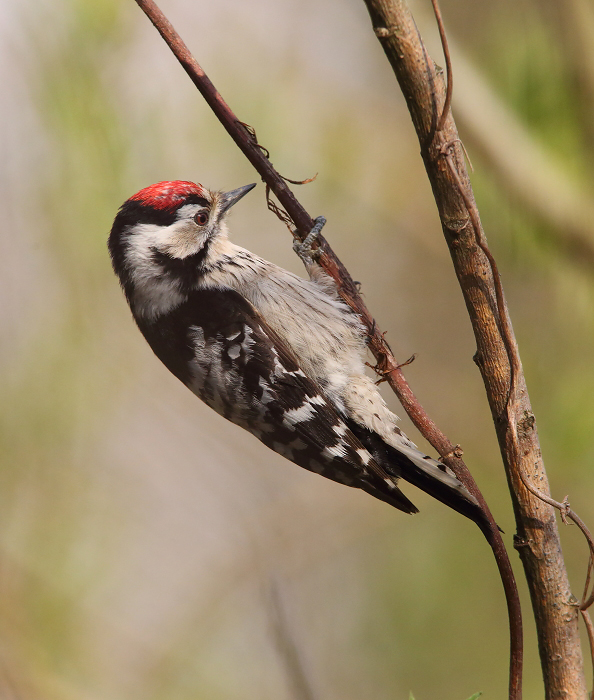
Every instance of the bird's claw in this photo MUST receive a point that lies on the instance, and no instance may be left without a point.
(304, 248)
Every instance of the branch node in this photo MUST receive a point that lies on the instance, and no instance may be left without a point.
(384, 367)
(447, 149)
(410, 360)
(254, 139)
(384, 32)
(565, 510)
(521, 542)
(456, 451)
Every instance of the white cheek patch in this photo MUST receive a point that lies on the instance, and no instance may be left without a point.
(180, 239)
(138, 253)
(183, 238)
(154, 293)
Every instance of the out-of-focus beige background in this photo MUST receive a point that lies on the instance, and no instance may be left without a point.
(140, 533)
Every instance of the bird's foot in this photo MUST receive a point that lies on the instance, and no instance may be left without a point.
(304, 249)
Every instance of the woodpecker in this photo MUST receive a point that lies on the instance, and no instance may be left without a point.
(279, 355)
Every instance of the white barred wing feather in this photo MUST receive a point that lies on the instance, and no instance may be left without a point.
(238, 366)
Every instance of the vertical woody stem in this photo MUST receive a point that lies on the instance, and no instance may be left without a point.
(497, 357)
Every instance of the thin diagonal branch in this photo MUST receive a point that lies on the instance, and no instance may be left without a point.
(387, 365)
(244, 137)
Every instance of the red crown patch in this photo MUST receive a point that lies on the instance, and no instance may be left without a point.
(167, 195)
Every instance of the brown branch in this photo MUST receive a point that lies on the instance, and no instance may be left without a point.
(590, 632)
(502, 317)
(587, 601)
(566, 512)
(389, 368)
(510, 346)
(497, 355)
(445, 110)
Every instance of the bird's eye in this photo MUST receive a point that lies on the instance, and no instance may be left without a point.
(201, 218)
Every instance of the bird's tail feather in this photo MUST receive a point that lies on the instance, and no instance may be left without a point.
(425, 473)
(390, 494)
(428, 475)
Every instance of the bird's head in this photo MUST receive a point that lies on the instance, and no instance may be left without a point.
(164, 237)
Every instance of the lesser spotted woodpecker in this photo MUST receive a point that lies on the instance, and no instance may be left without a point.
(281, 356)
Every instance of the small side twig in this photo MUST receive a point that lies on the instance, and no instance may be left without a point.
(566, 512)
(449, 72)
(587, 600)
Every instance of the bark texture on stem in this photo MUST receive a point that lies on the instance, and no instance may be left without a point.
(537, 538)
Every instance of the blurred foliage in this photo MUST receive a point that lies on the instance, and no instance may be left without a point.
(137, 530)
(472, 697)
(534, 74)
(534, 77)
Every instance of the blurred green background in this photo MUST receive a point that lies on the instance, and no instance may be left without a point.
(140, 534)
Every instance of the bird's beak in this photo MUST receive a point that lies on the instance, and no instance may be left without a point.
(228, 199)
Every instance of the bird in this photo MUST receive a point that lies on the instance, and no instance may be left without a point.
(279, 355)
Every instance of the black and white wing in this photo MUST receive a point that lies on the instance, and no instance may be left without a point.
(223, 350)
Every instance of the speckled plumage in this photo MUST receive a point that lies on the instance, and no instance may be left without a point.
(281, 356)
